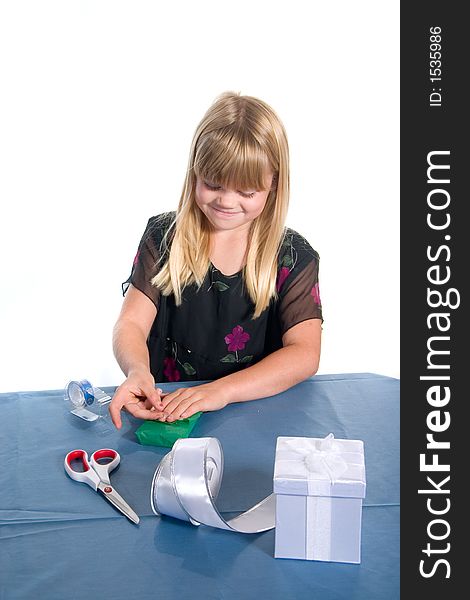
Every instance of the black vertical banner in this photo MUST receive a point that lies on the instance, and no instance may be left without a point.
(435, 362)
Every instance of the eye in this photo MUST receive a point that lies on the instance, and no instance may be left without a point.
(211, 186)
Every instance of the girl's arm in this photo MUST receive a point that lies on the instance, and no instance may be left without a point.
(297, 360)
(130, 349)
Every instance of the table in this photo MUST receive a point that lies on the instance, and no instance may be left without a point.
(60, 540)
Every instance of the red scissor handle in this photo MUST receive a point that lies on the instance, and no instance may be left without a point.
(88, 476)
(105, 453)
(78, 455)
(104, 469)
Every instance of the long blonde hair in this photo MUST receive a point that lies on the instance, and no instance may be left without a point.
(239, 140)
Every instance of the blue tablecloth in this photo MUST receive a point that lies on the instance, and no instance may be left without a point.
(60, 540)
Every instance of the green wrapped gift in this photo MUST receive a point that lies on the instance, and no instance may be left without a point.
(158, 433)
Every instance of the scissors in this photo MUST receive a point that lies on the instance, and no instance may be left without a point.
(96, 475)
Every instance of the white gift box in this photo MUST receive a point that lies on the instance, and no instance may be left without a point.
(319, 486)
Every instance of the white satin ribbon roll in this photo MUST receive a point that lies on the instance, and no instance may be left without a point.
(187, 482)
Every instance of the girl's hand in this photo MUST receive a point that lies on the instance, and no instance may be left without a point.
(185, 402)
(138, 396)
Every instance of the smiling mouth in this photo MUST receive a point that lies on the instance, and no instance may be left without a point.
(227, 213)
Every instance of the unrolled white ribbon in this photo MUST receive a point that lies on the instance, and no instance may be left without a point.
(187, 482)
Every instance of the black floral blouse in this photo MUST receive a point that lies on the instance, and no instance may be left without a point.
(212, 334)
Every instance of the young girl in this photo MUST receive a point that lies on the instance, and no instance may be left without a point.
(221, 290)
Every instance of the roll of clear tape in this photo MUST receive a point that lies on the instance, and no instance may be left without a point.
(80, 393)
(187, 482)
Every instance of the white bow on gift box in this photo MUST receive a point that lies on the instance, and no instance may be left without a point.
(322, 458)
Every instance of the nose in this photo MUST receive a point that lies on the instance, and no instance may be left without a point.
(226, 199)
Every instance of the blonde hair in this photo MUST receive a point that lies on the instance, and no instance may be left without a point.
(238, 142)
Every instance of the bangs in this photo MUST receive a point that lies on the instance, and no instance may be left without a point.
(232, 159)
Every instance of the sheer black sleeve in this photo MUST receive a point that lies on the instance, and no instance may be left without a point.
(147, 260)
(298, 284)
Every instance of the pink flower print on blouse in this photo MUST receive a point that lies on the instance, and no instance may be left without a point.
(281, 277)
(237, 339)
(316, 294)
(170, 370)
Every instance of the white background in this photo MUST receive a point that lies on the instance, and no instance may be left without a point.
(99, 103)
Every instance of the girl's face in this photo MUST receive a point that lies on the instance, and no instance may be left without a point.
(229, 209)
